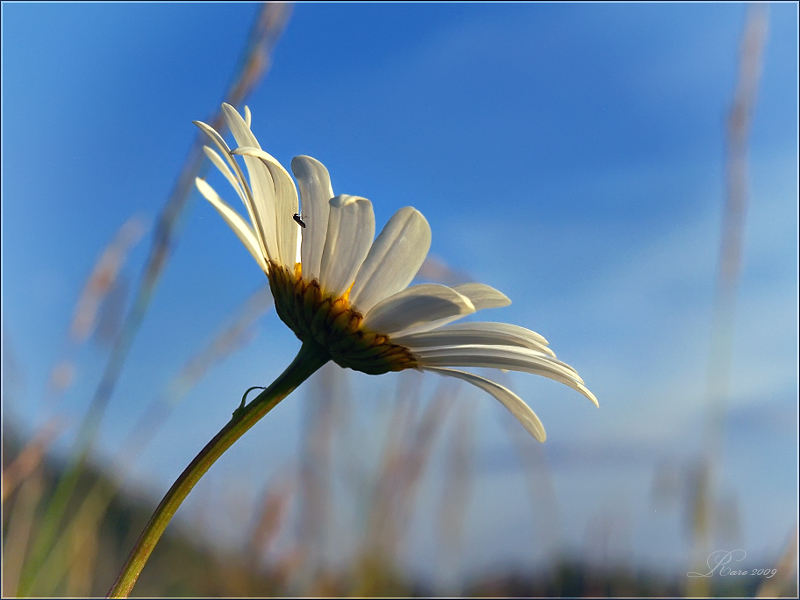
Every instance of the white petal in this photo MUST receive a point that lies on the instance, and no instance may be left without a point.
(482, 295)
(504, 357)
(285, 195)
(239, 127)
(437, 324)
(393, 260)
(315, 195)
(351, 228)
(218, 161)
(261, 185)
(425, 326)
(487, 334)
(417, 305)
(215, 137)
(298, 255)
(235, 177)
(523, 413)
(248, 117)
(234, 220)
(494, 355)
(266, 238)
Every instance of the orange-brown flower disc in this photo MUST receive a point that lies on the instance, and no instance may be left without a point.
(334, 325)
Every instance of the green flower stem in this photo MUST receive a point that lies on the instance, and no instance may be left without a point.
(310, 358)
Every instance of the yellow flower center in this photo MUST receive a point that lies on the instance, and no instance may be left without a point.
(333, 324)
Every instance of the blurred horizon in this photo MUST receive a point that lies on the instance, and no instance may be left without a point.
(571, 156)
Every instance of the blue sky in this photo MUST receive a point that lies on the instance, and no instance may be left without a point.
(570, 155)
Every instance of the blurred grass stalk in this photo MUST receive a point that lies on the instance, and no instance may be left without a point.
(18, 531)
(91, 315)
(266, 31)
(30, 457)
(459, 477)
(271, 515)
(541, 489)
(406, 454)
(727, 286)
(321, 417)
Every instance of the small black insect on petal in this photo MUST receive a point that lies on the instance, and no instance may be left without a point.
(298, 220)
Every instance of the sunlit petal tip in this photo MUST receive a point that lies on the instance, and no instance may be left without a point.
(521, 411)
(305, 162)
(269, 160)
(585, 391)
(202, 126)
(483, 296)
(501, 357)
(205, 189)
(312, 176)
(343, 200)
(232, 115)
(212, 133)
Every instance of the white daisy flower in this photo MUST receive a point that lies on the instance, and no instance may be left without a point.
(348, 294)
